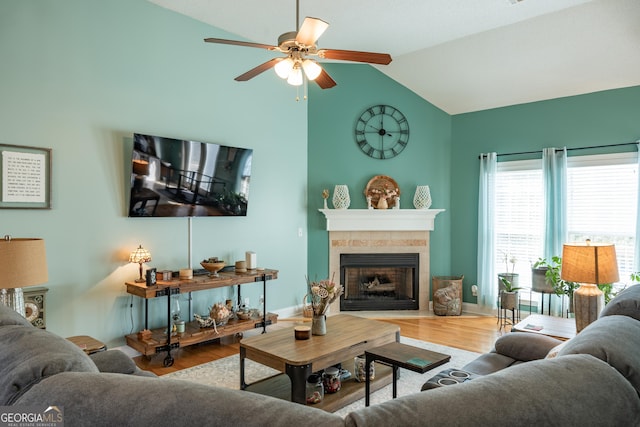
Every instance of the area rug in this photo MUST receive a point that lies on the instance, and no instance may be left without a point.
(225, 372)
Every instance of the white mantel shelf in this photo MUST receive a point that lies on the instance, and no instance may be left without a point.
(380, 219)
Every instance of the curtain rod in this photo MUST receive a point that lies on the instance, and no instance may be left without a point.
(569, 149)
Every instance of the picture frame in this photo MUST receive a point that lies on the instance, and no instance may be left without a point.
(151, 277)
(25, 177)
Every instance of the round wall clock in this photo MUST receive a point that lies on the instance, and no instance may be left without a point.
(382, 132)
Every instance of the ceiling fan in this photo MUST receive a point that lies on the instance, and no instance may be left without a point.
(299, 46)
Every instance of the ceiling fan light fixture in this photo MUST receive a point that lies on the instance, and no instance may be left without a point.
(295, 76)
(311, 69)
(283, 68)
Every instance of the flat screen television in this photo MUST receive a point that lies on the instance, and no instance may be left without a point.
(180, 178)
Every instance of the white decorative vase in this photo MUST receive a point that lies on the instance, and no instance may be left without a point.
(341, 199)
(422, 198)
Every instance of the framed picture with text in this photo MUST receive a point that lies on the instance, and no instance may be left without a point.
(25, 177)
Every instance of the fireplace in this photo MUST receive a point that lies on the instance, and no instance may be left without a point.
(383, 232)
(379, 281)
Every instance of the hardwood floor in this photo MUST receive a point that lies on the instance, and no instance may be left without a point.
(472, 333)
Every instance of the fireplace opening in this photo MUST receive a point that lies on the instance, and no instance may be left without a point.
(379, 281)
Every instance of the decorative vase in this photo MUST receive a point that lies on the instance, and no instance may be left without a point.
(319, 324)
(382, 203)
(422, 198)
(341, 199)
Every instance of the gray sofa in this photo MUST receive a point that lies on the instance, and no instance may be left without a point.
(586, 384)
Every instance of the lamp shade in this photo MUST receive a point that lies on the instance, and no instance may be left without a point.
(140, 167)
(589, 263)
(23, 262)
(140, 255)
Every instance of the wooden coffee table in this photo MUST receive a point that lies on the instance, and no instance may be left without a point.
(552, 326)
(347, 336)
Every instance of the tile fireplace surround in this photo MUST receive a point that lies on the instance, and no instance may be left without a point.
(382, 231)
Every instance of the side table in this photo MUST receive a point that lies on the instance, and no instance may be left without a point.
(88, 344)
(405, 356)
(552, 326)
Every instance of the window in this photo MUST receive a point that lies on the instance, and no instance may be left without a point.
(603, 195)
(602, 202)
(519, 217)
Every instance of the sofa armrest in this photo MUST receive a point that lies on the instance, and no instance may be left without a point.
(525, 346)
(115, 361)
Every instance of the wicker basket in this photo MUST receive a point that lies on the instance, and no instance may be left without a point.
(307, 308)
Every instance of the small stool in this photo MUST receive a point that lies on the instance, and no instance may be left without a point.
(88, 344)
(399, 355)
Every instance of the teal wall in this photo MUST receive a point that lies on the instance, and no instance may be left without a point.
(602, 118)
(334, 157)
(80, 77)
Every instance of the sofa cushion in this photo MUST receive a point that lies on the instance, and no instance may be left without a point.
(525, 346)
(614, 339)
(108, 400)
(116, 361)
(488, 363)
(626, 303)
(575, 390)
(30, 354)
(9, 316)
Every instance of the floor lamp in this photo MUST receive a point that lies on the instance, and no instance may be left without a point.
(590, 265)
(23, 262)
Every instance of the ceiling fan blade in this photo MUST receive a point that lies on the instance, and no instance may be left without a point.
(311, 30)
(357, 56)
(258, 70)
(324, 80)
(239, 43)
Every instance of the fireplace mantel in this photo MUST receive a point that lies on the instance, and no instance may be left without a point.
(380, 220)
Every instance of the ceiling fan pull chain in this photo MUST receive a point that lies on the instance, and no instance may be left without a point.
(306, 88)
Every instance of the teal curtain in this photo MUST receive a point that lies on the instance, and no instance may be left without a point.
(487, 290)
(554, 177)
(636, 257)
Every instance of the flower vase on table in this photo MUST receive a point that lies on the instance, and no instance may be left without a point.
(319, 324)
(323, 293)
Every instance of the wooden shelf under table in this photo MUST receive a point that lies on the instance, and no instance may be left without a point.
(351, 390)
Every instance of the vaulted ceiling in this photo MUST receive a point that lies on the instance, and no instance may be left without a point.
(460, 55)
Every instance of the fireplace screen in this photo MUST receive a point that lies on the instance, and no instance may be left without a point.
(379, 281)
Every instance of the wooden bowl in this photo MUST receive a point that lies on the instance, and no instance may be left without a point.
(302, 332)
(213, 267)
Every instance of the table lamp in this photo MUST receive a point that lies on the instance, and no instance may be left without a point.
(23, 262)
(140, 256)
(590, 265)
(140, 170)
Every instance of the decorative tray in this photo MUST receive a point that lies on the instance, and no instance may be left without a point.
(382, 184)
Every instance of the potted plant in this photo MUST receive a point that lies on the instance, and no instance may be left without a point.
(508, 285)
(510, 276)
(508, 294)
(560, 287)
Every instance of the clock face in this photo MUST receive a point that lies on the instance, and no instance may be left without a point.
(382, 132)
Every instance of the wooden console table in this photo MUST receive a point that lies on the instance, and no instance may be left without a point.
(163, 339)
